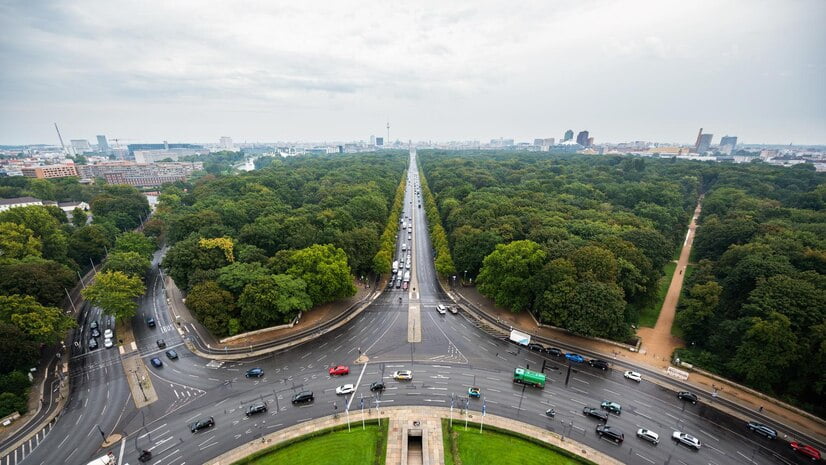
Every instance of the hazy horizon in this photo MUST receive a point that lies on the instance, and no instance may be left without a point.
(624, 70)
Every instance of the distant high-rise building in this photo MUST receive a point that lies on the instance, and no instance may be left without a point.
(590, 141)
(704, 143)
(81, 146)
(372, 140)
(226, 143)
(538, 142)
(103, 146)
(582, 138)
(729, 140)
(379, 141)
(549, 141)
(569, 134)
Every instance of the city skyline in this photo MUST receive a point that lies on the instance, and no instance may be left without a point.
(625, 70)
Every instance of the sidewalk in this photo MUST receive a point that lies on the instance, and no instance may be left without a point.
(656, 361)
(401, 420)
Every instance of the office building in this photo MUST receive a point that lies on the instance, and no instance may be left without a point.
(379, 141)
(81, 146)
(50, 171)
(140, 174)
(569, 134)
(226, 143)
(590, 142)
(728, 144)
(152, 156)
(372, 140)
(582, 138)
(103, 145)
(704, 143)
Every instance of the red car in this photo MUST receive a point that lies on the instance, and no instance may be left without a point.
(806, 450)
(339, 370)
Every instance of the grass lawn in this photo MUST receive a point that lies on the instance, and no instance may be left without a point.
(335, 448)
(490, 447)
(649, 314)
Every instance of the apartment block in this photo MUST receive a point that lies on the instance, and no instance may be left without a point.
(50, 171)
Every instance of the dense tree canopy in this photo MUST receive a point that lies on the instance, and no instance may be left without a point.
(115, 293)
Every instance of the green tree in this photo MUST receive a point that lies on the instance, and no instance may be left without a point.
(508, 271)
(595, 264)
(699, 307)
(128, 263)
(325, 271)
(236, 276)
(768, 348)
(132, 241)
(214, 307)
(89, 243)
(79, 217)
(588, 308)
(18, 241)
(44, 226)
(19, 351)
(45, 280)
(10, 403)
(115, 293)
(273, 300)
(124, 205)
(186, 262)
(41, 324)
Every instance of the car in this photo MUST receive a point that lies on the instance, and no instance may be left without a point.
(474, 391)
(404, 286)
(107, 342)
(403, 375)
(258, 407)
(156, 362)
(592, 412)
(441, 309)
(345, 389)
(203, 423)
(599, 363)
(633, 375)
(536, 347)
(454, 309)
(687, 396)
(95, 332)
(409, 237)
(339, 370)
(611, 433)
(762, 429)
(553, 351)
(150, 322)
(108, 333)
(686, 440)
(93, 344)
(806, 450)
(171, 354)
(161, 343)
(93, 324)
(254, 373)
(576, 358)
(303, 397)
(377, 386)
(648, 435)
(612, 407)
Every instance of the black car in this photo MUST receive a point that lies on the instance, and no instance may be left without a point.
(95, 332)
(203, 423)
(150, 322)
(762, 429)
(254, 373)
(555, 352)
(171, 354)
(258, 407)
(687, 396)
(609, 432)
(598, 363)
(596, 413)
(303, 397)
(536, 347)
(93, 344)
(161, 343)
(377, 386)
(93, 324)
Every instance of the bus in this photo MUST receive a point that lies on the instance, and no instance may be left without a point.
(531, 378)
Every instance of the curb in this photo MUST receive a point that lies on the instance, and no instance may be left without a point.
(61, 403)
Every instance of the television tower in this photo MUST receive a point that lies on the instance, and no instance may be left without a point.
(388, 132)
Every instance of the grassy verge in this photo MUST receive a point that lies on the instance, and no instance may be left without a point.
(331, 446)
(650, 313)
(495, 445)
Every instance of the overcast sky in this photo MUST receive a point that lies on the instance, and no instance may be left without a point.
(441, 70)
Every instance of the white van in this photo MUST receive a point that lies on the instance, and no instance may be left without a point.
(404, 246)
(441, 309)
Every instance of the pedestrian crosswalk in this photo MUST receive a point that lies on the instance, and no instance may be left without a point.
(17, 455)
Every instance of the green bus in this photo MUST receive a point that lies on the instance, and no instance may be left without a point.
(531, 378)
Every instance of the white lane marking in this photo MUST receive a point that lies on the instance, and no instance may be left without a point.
(152, 431)
(364, 367)
(644, 458)
(709, 435)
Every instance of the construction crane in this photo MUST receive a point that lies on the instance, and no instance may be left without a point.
(65, 151)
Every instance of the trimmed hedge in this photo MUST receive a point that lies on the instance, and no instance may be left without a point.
(438, 236)
(383, 259)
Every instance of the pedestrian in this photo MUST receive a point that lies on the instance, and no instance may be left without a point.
(760, 409)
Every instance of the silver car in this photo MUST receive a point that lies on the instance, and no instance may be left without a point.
(686, 440)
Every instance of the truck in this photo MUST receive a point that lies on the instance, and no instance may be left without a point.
(395, 266)
(108, 459)
(528, 377)
(523, 339)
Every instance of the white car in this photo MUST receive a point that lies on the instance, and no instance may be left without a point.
(686, 439)
(648, 435)
(453, 309)
(107, 342)
(441, 309)
(403, 375)
(345, 389)
(108, 333)
(633, 375)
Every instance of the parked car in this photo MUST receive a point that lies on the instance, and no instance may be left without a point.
(345, 389)
(454, 309)
(161, 343)
(93, 344)
(95, 332)
(258, 407)
(596, 413)
(762, 429)
(203, 423)
(339, 370)
(93, 324)
(107, 342)
(150, 322)
(474, 391)
(254, 373)
(687, 396)
(536, 347)
(598, 363)
(610, 432)
(403, 375)
(377, 386)
(806, 450)
(686, 440)
(171, 354)
(612, 407)
(648, 435)
(576, 358)
(108, 333)
(553, 351)
(633, 375)
(441, 309)
(303, 397)
(156, 362)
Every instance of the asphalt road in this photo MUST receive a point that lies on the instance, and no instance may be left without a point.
(453, 355)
